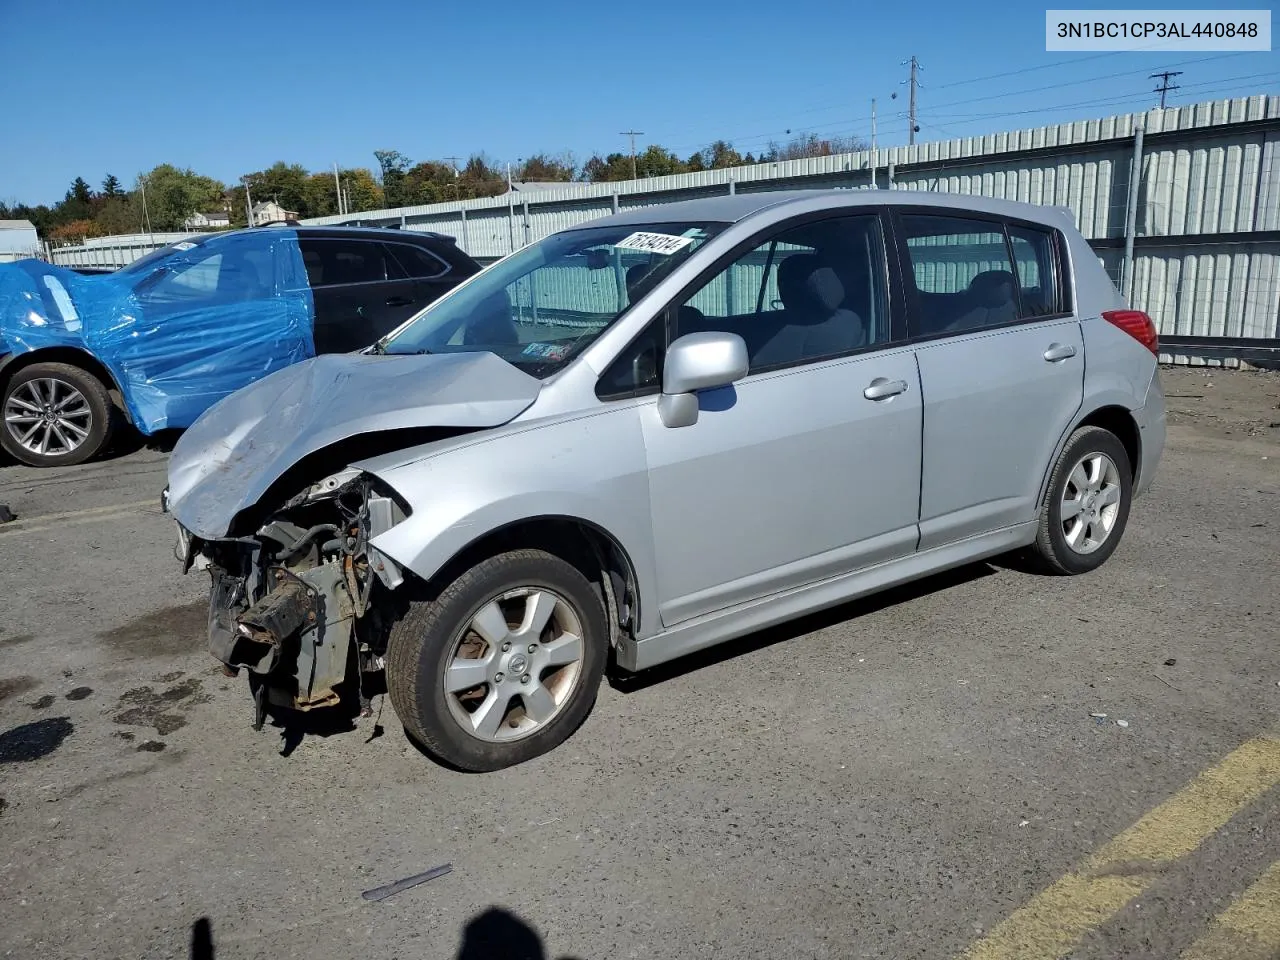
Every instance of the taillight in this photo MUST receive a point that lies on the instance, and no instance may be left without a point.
(1137, 325)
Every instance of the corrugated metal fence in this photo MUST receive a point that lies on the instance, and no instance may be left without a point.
(1194, 239)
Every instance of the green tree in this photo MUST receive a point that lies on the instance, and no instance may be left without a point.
(119, 213)
(284, 183)
(111, 186)
(393, 164)
(541, 168)
(361, 189)
(172, 195)
(721, 154)
(615, 166)
(321, 194)
(658, 161)
(479, 179)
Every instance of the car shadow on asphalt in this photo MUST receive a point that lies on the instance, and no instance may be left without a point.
(721, 653)
(493, 934)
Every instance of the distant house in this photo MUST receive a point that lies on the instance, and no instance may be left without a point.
(271, 212)
(18, 240)
(213, 220)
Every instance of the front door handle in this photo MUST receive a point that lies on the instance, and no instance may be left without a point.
(1059, 351)
(882, 389)
(398, 301)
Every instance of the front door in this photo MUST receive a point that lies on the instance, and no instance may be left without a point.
(360, 291)
(810, 466)
(1002, 371)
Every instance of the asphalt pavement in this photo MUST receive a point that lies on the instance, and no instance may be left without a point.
(923, 774)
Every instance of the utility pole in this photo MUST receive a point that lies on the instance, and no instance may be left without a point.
(912, 127)
(873, 142)
(146, 216)
(453, 163)
(632, 134)
(248, 202)
(337, 185)
(1166, 86)
(511, 213)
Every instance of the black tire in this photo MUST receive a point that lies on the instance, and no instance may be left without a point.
(1052, 550)
(101, 412)
(421, 647)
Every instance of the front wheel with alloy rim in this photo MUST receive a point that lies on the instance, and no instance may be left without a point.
(54, 415)
(1087, 505)
(503, 665)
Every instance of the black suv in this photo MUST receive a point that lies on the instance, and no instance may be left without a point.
(366, 281)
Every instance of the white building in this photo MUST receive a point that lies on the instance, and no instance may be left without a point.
(18, 240)
(213, 220)
(271, 212)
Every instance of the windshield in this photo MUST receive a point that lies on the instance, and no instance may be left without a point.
(142, 264)
(541, 306)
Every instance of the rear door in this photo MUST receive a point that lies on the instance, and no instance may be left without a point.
(431, 275)
(360, 291)
(1001, 365)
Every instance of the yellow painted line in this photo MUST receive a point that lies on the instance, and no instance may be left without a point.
(1249, 929)
(50, 521)
(1057, 918)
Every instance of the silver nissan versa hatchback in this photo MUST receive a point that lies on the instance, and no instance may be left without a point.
(659, 431)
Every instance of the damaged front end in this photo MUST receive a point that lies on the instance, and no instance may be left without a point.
(296, 603)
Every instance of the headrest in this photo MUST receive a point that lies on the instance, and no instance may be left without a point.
(636, 276)
(992, 288)
(793, 273)
(825, 288)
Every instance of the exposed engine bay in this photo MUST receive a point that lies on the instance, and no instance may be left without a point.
(300, 603)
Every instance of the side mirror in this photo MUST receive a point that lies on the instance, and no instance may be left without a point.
(698, 361)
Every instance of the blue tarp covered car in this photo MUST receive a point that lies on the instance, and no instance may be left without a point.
(163, 339)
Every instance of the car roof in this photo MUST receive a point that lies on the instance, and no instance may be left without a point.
(730, 208)
(380, 233)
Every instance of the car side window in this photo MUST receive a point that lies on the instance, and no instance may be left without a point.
(1033, 255)
(638, 369)
(962, 274)
(228, 273)
(416, 262)
(332, 262)
(808, 293)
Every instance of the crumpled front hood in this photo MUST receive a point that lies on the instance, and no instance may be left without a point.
(230, 456)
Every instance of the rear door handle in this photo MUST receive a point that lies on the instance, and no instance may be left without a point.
(398, 301)
(1059, 351)
(882, 389)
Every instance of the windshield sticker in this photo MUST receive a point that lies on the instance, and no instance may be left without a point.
(184, 245)
(664, 243)
(70, 318)
(547, 351)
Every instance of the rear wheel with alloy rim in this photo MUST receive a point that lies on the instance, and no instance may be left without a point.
(54, 414)
(503, 665)
(1084, 515)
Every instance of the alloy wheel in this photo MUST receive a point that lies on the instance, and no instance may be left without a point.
(48, 417)
(515, 664)
(1090, 503)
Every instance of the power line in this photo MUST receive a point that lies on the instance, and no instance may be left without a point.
(1016, 73)
(752, 138)
(1077, 83)
(1165, 87)
(1221, 84)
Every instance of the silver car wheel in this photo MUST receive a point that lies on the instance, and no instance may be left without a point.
(48, 417)
(1090, 503)
(514, 665)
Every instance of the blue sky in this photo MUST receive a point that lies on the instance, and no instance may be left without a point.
(94, 86)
